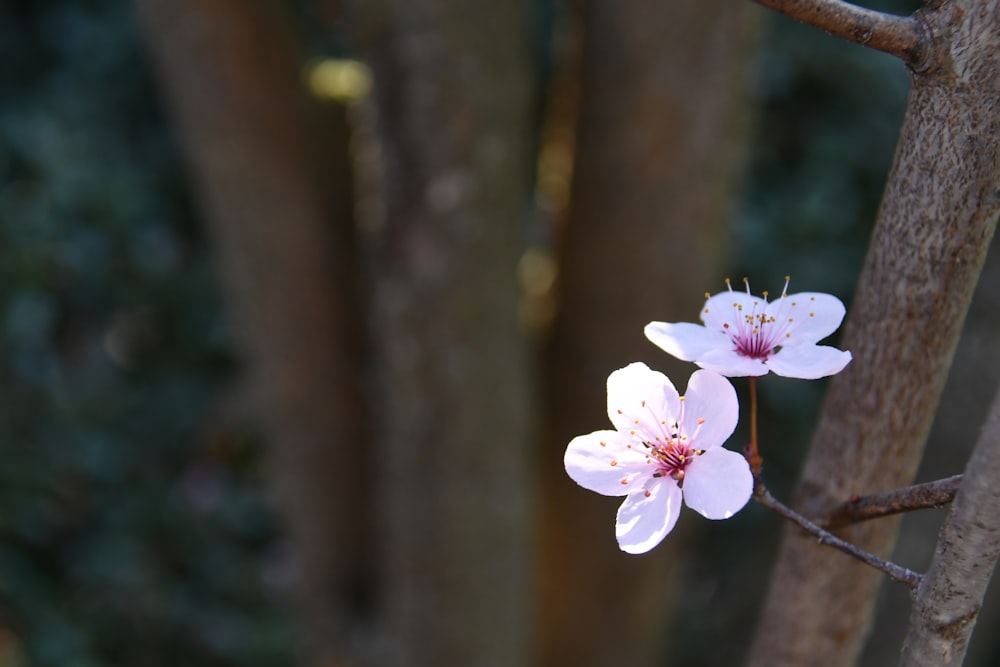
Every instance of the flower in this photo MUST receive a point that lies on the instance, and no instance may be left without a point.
(666, 447)
(746, 335)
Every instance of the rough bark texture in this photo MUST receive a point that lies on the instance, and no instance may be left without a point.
(661, 135)
(452, 87)
(935, 223)
(272, 203)
(949, 598)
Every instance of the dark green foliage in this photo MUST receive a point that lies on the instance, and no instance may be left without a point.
(132, 527)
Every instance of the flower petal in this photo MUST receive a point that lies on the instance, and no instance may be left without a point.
(646, 517)
(718, 483)
(732, 364)
(685, 340)
(641, 401)
(808, 362)
(711, 398)
(604, 462)
(810, 316)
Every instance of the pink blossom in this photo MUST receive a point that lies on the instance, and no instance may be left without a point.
(665, 448)
(747, 335)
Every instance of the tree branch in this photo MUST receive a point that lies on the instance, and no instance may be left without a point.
(934, 494)
(895, 572)
(948, 600)
(900, 36)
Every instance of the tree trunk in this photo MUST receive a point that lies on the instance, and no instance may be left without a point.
(947, 602)
(662, 130)
(452, 401)
(276, 199)
(935, 223)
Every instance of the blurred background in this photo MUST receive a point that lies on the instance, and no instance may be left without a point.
(301, 301)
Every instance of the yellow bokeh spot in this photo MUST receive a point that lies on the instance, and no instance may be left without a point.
(346, 81)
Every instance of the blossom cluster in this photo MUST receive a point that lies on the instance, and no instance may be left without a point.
(665, 447)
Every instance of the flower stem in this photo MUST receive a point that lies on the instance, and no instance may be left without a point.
(895, 572)
(755, 459)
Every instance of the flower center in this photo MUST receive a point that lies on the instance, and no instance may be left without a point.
(756, 334)
(672, 458)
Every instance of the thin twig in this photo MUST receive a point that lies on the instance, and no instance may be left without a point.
(895, 572)
(934, 494)
(900, 36)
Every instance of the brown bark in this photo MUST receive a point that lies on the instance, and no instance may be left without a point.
(935, 223)
(279, 215)
(936, 494)
(948, 600)
(661, 134)
(452, 87)
(903, 37)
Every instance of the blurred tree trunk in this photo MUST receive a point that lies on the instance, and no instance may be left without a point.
(662, 132)
(274, 190)
(452, 403)
(937, 216)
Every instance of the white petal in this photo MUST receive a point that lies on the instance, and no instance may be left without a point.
(603, 462)
(641, 402)
(685, 340)
(808, 362)
(733, 364)
(709, 397)
(725, 311)
(646, 517)
(809, 316)
(718, 484)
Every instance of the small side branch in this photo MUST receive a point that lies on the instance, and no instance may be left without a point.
(895, 572)
(900, 36)
(934, 494)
